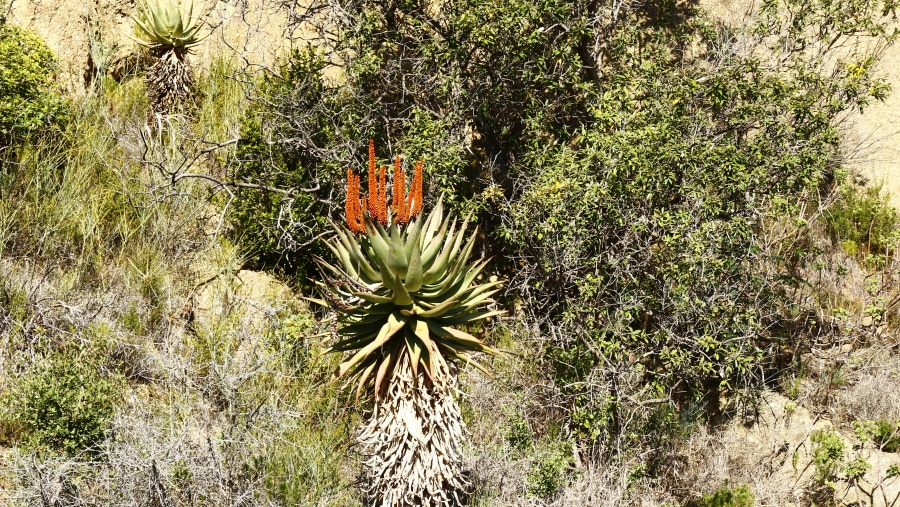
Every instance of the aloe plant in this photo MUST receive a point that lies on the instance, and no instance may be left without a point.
(169, 29)
(403, 286)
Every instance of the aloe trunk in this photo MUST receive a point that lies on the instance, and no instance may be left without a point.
(412, 444)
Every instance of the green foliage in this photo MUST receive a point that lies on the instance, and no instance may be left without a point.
(647, 179)
(517, 433)
(863, 221)
(883, 433)
(887, 435)
(893, 471)
(828, 455)
(63, 404)
(28, 98)
(739, 496)
(274, 227)
(551, 468)
(856, 468)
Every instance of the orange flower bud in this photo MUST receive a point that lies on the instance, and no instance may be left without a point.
(355, 221)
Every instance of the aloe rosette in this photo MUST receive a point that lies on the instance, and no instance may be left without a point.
(405, 285)
(166, 23)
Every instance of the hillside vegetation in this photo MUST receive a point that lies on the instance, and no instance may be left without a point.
(698, 304)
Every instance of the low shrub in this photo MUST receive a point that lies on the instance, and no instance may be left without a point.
(739, 496)
(552, 462)
(63, 404)
(28, 100)
(828, 455)
(863, 221)
(883, 433)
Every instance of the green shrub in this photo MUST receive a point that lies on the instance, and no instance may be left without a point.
(893, 471)
(887, 435)
(550, 469)
(628, 172)
(517, 433)
(883, 433)
(276, 229)
(828, 455)
(863, 221)
(740, 496)
(63, 404)
(28, 100)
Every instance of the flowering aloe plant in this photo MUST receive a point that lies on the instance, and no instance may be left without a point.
(404, 282)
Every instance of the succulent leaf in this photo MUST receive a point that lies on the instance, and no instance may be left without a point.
(414, 273)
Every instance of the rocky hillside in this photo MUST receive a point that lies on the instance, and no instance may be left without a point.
(97, 36)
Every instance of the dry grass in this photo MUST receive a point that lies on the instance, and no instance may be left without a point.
(873, 391)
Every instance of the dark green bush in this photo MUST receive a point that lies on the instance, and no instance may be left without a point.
(28, 98)
(63, 404)
(627, 167)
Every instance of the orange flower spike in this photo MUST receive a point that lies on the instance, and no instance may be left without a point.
(399, 198)
(354, 213)
(372, 207)
(360, 209)
(415, 191)
(349, 205)
(373, 183)
(382, 196)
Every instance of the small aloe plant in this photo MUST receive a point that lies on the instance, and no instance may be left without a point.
(403, 287)
(169, 29)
